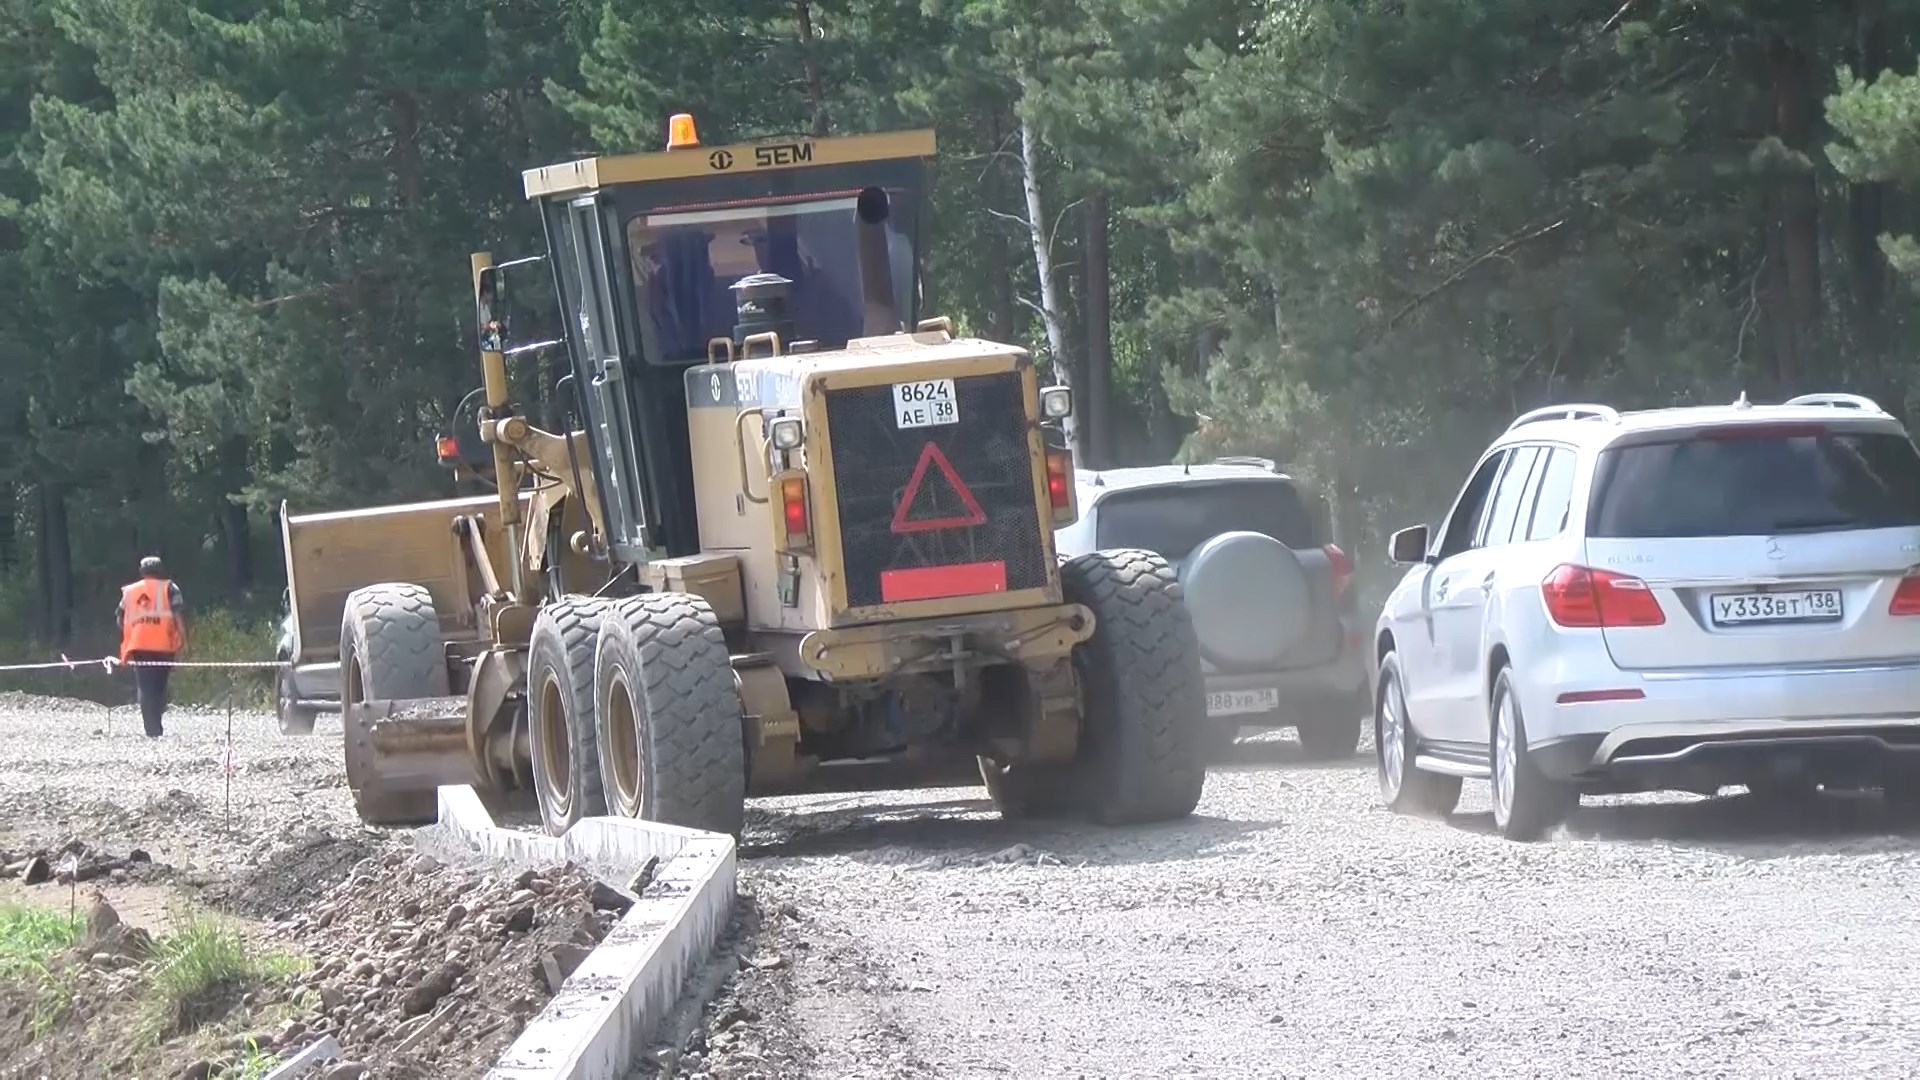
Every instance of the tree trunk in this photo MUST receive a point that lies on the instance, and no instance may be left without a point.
(406, 146)
(236, 539)
(1866, 204)
(55, 566)
(1799, 216)
(9, 535)
(1002, 319)
(1050, 309)
(1206, 340)
(1097, 406)
(816, 92)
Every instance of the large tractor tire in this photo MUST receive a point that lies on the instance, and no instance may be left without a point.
(669, 715)
(390, 648)
(561, 733)
(1142, 752)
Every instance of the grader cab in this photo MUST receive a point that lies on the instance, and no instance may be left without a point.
(795, 537)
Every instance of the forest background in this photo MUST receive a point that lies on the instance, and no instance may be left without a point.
(1355, 236)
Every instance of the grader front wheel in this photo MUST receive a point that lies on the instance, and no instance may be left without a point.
(390, 648)
(669, 715)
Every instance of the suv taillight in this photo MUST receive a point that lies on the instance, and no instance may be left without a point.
(1580, 596)
(1342, 569)
(1906, 598)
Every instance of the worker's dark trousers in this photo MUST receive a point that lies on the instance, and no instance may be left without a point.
(150, 684)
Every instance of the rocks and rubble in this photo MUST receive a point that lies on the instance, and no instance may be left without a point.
(421, 969)
(76, 862)
(442, 966)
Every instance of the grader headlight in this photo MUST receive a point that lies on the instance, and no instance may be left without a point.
(787, 433)
(1056, 402)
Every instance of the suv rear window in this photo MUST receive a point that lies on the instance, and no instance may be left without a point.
(1172, 521)
(1757, 482)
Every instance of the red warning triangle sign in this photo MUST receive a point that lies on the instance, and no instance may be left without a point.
(973, 514)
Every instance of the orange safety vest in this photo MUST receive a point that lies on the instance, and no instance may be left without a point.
(147, 619)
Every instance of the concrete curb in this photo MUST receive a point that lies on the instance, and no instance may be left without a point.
(597, 1025)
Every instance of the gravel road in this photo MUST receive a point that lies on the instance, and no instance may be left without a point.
(1293, 928)
(68, 770)
(1290, 928)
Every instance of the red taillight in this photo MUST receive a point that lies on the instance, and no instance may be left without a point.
(1059, 478)
(793, 509)
(1060, 487)
(1906, 598)
(1342, 568)
(1579, 596)
(446, 448)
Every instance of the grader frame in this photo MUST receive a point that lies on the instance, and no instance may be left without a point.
(727, 580)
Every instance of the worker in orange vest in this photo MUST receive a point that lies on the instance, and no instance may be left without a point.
(152, 628)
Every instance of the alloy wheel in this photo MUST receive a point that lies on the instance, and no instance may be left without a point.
(1392, 741)
(1506, 759)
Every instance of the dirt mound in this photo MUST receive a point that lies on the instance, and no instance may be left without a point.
(291, 875)
(433, 970)
(418, 969)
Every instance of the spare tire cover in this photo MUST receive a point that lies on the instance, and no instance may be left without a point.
(1250, 599)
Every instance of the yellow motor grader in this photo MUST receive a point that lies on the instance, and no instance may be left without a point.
(795, 538)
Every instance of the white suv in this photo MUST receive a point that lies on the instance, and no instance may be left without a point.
(1673, 599)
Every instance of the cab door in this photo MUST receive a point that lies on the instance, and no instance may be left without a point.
(582, 264)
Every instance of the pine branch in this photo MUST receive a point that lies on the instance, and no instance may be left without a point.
(1502, 248)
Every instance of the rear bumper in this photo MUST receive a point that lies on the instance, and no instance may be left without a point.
(1303, 692)
(1705, 755)
(1856, 720)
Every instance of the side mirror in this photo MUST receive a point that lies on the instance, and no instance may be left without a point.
(460, 444)
(1408, 545)
(490, 302)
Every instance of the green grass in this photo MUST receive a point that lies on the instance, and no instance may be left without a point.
(198, 970)
(254, 1065)
(30, 938)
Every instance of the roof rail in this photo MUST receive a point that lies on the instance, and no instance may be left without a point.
(1837, 401)
(1566, 412)
(1241, 459)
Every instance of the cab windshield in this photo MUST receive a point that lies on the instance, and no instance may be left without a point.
(684, 259)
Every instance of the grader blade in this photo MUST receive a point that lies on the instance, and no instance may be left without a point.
(400, 751)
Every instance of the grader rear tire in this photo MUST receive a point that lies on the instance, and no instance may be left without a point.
(669, 716)
(390, 648)
(561, 731)
(1143, 739)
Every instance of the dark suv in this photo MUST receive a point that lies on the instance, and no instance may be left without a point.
(1271, 596)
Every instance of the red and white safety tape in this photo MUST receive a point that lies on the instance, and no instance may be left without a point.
(108, 663)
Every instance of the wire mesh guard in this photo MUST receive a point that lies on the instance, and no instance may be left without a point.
(874, 465)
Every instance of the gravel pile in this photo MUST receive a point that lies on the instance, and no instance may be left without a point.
(434, 969)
